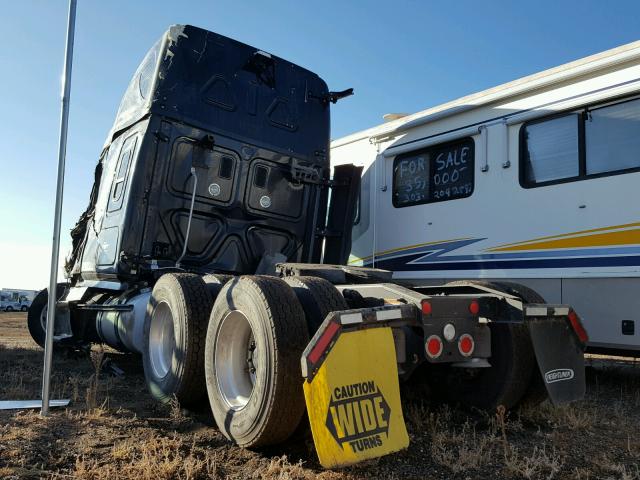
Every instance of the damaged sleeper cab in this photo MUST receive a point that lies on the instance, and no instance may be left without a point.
(214, 246)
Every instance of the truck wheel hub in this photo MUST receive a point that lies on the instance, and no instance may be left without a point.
(236, 359)
(162, 340)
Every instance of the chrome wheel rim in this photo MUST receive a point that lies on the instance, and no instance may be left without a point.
(236, 359)
(162, 340)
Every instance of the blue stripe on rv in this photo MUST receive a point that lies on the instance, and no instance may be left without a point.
(402, 263)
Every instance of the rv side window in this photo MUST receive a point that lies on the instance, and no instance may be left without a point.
(434, 174)
(594, 142)
(551, 150)
(612, 136)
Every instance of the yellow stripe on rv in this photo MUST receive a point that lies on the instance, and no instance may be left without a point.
(581, 233)
(623, 237)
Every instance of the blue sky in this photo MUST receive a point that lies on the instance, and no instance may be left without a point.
(399, 56)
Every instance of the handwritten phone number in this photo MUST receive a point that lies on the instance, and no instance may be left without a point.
(453, 192)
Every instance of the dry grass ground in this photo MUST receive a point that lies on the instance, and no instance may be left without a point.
(113, 429)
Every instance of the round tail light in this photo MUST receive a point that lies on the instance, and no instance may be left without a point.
(474, 307)
(426, 307)
(434, 346)
(466, 345)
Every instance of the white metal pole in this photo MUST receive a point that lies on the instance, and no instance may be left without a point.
(62, 152)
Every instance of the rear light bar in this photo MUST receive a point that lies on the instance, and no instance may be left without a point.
(427, 308)
(349, 320)
(559, 311)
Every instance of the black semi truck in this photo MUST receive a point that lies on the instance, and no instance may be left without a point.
(214, 245)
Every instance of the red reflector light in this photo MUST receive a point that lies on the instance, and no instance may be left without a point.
(474, 307)
(426, 307)
(434, 346)
(576, 324)
(323, 342)
(466, 345)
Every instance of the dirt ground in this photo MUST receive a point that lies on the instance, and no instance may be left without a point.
(113, 429)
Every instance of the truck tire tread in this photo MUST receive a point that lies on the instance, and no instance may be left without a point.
(194, 301)
(287, 328)
(318, 298)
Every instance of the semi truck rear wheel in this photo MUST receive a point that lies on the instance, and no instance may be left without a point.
(215, 282)
(174, 330)
(256, 335)
(318, 298)
(37, 314)
(536, 392)
(512, 363)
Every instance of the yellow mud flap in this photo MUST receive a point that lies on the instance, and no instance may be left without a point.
(351, 387)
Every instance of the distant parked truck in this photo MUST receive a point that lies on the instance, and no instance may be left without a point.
(535, 182)
(16, 300)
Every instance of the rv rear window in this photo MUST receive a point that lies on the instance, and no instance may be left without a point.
(595, 141)
(434, 174)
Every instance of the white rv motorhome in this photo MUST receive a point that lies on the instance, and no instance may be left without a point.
(535, 181)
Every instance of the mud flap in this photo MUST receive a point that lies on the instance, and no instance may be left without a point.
(560, 357)
(352, 393)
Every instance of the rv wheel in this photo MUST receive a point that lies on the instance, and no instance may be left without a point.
(174, 329)
(512, 364)
(255, 338)
(23, 308)
(37, 314)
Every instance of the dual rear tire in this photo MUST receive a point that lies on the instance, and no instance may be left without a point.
(256, 335)
(244, 355)
(174, 331)
(258, 330)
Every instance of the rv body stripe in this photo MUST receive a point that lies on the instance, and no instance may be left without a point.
(613, 261)
(405, 250)
(564, 235)
(624, 237)
(600, 247)
(434, 257)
